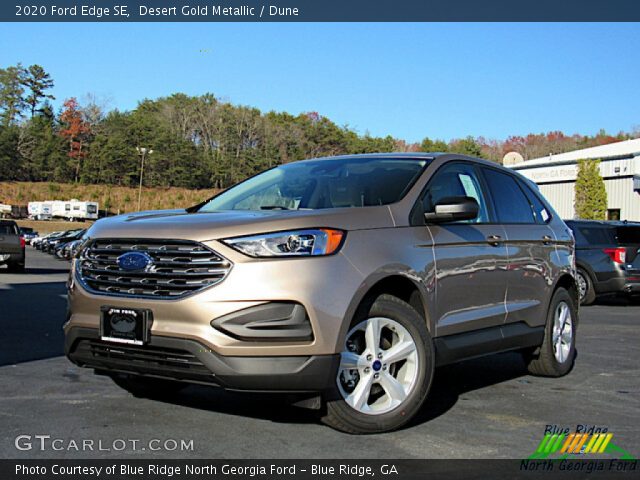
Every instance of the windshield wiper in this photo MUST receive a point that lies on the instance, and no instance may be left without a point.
(273, 207)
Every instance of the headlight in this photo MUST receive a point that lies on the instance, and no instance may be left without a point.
(312, 242)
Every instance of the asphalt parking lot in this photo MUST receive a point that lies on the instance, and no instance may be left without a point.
(486, 408)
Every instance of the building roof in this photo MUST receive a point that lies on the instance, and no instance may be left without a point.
(626, 148)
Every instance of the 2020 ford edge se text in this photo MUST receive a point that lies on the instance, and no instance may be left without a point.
(346, 279)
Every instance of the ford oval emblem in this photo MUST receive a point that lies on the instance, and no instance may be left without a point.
(131, 261)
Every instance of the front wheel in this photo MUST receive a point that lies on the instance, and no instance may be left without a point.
(385, 370)
(557, 353)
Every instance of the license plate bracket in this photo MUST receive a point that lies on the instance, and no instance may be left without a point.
(125, 325)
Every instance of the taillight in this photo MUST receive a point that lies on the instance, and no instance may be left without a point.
(22, 242)
(618, 255)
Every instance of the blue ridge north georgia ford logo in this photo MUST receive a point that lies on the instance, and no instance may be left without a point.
(134, 261)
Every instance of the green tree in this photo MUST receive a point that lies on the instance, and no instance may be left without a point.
(9, 156)
(41, 148)
(37, 82)
(590, 194)
(428, 145)
(466, 146)
(12, 101)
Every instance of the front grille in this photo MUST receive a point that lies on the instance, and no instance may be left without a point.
(178, 268)
(147, 359)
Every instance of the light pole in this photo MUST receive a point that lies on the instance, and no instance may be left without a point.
(142, 151)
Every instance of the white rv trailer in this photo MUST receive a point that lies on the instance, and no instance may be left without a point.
(74, 210)
(39, 210)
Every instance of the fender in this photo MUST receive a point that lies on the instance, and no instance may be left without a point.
(371, 282)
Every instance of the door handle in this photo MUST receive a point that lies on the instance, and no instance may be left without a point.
(494, 240)
(546, 239)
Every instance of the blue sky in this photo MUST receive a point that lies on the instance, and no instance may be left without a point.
(407, 80)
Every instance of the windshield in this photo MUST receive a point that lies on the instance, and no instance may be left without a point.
(316, 184)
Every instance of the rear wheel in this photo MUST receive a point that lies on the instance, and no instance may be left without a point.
(556, 355)
(385, 371)
(15, 267)
(148, 387)
(585, 287)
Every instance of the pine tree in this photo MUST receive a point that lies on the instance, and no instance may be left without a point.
(590, 194)
(12, 101)
(37, 81)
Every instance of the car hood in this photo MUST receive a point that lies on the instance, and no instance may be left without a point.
(181, 225)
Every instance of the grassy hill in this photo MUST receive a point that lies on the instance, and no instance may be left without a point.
(115, 199)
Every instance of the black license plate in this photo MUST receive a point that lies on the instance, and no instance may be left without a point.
(125, 325)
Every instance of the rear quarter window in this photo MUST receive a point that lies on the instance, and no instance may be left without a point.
(629, 235)
(597, 235)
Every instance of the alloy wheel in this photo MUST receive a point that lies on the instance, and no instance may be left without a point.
(379, 367)
(582, 285)
(562, 332)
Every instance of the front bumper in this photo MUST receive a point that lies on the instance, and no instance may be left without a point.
(324, 286)
(190, 361)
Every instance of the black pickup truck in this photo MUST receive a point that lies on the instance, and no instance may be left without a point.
(12, 246)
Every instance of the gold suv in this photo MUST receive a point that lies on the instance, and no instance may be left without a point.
(346, 280)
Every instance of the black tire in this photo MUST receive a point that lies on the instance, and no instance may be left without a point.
(543, 362)
(341, 416)
(15, 267)
(148, 387)
(589, 295)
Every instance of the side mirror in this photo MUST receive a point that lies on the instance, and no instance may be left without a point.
(453, 209)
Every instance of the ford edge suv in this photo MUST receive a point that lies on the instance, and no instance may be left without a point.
(346, 280)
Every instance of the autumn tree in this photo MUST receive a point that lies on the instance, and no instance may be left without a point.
(590, 194)
(75, 130)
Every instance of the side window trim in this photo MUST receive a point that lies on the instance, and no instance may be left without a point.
(529, 193)
(515, 179)
(488, 196)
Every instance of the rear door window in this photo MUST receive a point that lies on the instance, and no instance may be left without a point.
(510, 202)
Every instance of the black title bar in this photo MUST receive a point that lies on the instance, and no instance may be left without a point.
(198, 469)
(320, 11)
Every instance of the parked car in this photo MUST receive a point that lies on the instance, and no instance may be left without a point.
(345, 279)
(68, 250)
(44, 243)
(28, 234)
(12, 246)
(58, 246)
(37, 242)
(607, 258)
(50, 244)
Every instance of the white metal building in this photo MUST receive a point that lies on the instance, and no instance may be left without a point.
(556, 177)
